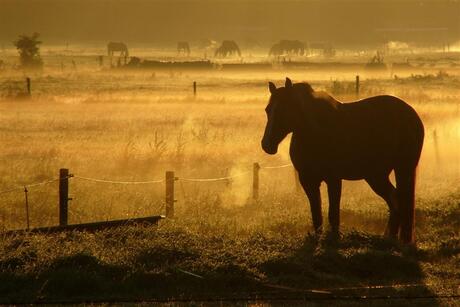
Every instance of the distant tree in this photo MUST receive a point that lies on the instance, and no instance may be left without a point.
(29, 50)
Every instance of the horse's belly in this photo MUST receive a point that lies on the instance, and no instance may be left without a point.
(354, 168)
(359, 166)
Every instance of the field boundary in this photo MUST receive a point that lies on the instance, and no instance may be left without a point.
(168, 181)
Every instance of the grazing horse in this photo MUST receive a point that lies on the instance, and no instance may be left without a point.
(183, 47)
(113, 47)
(228, 48)
(287, 47)
(331, 141)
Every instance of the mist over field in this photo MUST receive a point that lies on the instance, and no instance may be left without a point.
(158, 22)
(112, 98)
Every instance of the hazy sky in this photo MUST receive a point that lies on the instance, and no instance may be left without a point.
(341, 22)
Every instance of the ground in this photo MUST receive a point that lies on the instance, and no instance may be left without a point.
(125, 125)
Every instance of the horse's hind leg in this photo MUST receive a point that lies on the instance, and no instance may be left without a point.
(405, 184)
(382, 186)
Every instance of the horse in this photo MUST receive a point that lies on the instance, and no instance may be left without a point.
(183, 47)
(228, 48)
(113, 47)
(334, 141)
(294, 47)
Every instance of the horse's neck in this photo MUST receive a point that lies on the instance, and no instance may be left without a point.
(318, 116)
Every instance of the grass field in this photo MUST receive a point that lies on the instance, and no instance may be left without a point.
(134, 125)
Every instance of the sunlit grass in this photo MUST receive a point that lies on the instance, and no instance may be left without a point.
(134, 126)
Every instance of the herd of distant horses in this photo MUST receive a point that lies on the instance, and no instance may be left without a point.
(231, 48)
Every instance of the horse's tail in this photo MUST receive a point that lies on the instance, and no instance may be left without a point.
(405, 173)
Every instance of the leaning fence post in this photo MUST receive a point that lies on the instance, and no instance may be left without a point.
(27, 207)
(169, 183)
(63, 196)
(357, 85)
(194, 88)
(28, 86)
(255, 180)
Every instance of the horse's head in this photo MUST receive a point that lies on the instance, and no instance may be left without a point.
(280, 111)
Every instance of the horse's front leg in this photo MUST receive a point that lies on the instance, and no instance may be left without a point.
(334, 191)
(311, 188)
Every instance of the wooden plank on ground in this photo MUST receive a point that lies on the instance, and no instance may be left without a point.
(91, 226)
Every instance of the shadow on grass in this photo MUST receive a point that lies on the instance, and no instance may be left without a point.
(356, 266)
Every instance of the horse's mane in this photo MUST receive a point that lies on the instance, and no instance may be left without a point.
(317, 97)
(320, 108)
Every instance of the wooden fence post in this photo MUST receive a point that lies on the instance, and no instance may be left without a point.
(357, 85)
(169, 183)
(63, 196)
(255, 180)
(194, 88)
(28, 86)
(27, 207)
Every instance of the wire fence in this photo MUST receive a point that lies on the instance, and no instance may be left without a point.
(168, 181)
(99, 180)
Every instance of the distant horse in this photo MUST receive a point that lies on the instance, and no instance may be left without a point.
(113, 47)
(183, 47)
(228, 48)
(331, 141)
(287, 47)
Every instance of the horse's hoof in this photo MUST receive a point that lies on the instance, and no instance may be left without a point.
(319, 231)
(390, 236)
(333, 236)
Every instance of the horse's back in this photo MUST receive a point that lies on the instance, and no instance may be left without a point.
(116, 46)
(380, 130)
(384, 112)
(383, 104)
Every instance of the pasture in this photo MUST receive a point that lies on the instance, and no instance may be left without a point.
(133, 125)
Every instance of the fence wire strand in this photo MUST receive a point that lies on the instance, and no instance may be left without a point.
(118, 182)
(31, 185)
(274, 167)
(213, 179)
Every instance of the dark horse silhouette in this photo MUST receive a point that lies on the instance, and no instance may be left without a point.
(183, 47)
(228, 48)
(113, 47)
(331, 141)
(287, 47)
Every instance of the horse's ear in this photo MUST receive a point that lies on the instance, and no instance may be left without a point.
(271, 87)
(288, 83)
